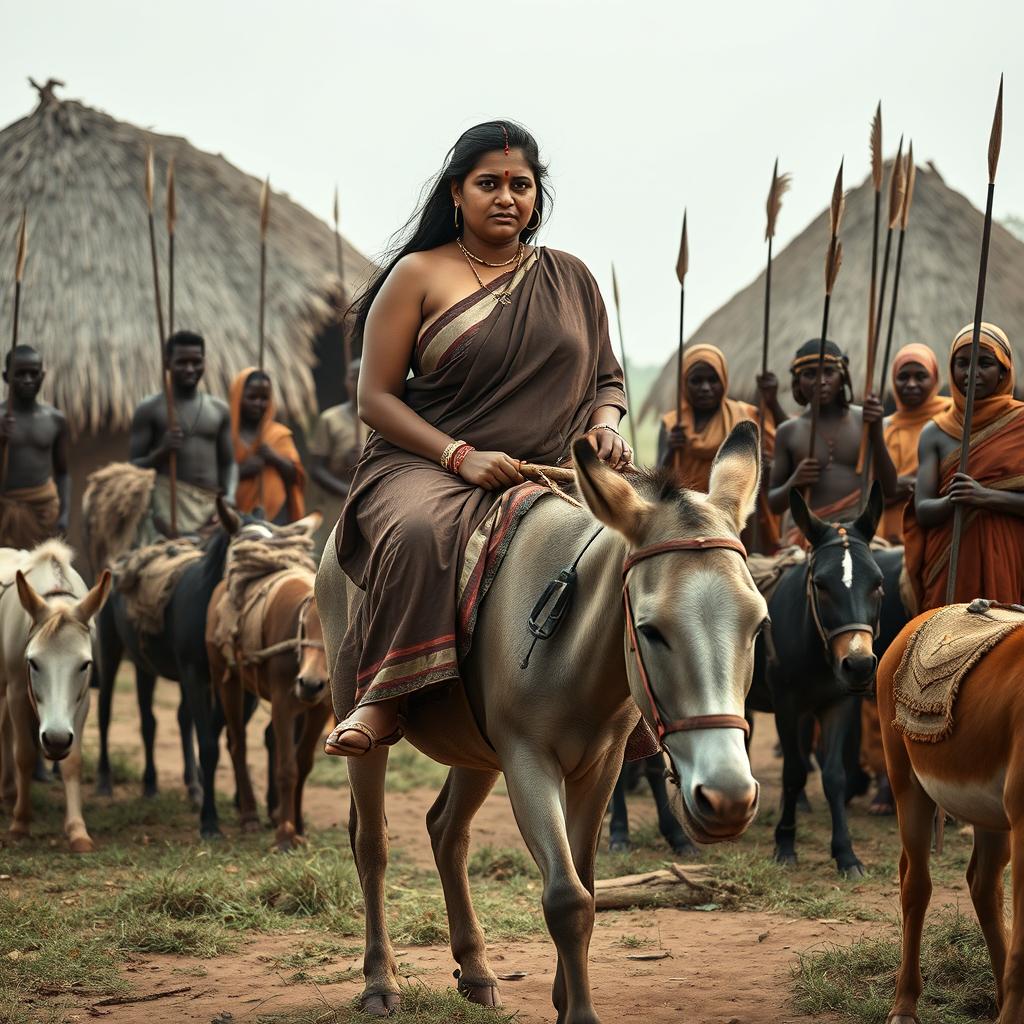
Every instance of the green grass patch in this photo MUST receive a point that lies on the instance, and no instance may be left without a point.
(501, 863)
(407, 769)
(859, 981)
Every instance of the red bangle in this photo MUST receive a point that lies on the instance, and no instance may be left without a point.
(459, 457)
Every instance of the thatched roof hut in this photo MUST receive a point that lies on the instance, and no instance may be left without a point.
(88, 291)
(937, 289)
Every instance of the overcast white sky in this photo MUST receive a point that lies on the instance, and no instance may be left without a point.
(641, 108)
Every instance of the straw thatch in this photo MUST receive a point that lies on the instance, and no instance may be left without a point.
(88, 292)
(937, 289)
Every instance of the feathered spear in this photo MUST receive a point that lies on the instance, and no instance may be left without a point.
(909, 179)
(345, 339)
(19, 274)
(877, 173)
(172, 461)
(682, 266)
(625, 361)
(833, 261)
(172, 220)
(994, 143)
(264, 224)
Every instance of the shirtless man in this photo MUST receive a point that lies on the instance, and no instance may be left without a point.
(34, 440)
(201, 437)
(831, 473)
(337, 441)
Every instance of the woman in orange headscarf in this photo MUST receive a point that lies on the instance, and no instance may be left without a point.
(991, 492)
(708, 417)
(915, 385)
(269, 469)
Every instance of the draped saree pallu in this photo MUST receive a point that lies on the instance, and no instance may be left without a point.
(702, 445)
(992, 546)
(522, 379)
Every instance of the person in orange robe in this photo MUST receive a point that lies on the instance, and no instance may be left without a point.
(709, 414)
(269, 468)
(991, 492)
(915, 385)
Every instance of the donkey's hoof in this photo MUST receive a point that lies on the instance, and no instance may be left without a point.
(251, 825)
(787, 858)
(380, 1004)
(483, 993)
(210, 833)
(619, 844)
(149, 790)
(82, 844)
(854, 870)
(18, 833)
(287, 843)
(195, 796)
(104, 786)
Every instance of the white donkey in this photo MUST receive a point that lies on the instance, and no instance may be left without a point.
(46, 657)
(676, 643)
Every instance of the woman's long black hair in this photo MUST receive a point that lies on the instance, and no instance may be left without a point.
(433, 222)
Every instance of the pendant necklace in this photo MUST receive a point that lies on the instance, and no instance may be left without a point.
(476, 259)
(503, 297)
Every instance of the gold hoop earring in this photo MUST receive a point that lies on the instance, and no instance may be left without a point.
(534, 227)
(456, 216)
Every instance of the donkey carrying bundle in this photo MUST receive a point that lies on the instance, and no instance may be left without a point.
(663, 627)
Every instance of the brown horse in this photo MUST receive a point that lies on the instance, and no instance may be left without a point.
(277, 654)
(663, 626)
(976, 773)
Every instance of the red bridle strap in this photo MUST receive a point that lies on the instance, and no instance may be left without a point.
(693, 722)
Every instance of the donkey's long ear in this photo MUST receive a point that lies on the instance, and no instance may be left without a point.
(229, 518)
(95, 599)
(736, 474)
(32, 603)
(867, 522)
(607, 494)
(810, 525)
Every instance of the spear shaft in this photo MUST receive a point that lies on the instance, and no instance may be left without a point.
(19, 273)
(682, 266)
(264, 221)
(625, 361)
(995, 140)
(172, 460)
(346, 338)
(172, 219)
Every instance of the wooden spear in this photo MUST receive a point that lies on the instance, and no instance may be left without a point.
(19, 274)
(779, 187)
(877, 173)
(909, 177)
(172, 461)
(625, 361)
(682, 266)
(345, 339)
(994, 143)
(833, 260)
(172, 220)
(264, 223)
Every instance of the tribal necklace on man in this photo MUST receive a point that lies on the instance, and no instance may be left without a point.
(504, 297)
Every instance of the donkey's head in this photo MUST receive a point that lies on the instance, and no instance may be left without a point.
(695, 616)
(58, 655)
(844, 588)
(311, 680)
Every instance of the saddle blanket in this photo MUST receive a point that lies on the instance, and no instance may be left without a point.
(937, 659)
(146, 578)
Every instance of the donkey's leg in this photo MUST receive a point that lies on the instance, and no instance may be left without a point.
(448, 823)
(313, 722)
(794, 778)
(190, 776)
(535, 788)
(585, 800)
(209, 720)
(109, 651)
(145, 684)
(8, 776)
(668, 824)
(71, 775)
(985, 878)
(24, 722)
(283, 709)
(618, 827)
(1012, 1009)
(229, 686)
(366, 776)
(836, 722)
(916, 811)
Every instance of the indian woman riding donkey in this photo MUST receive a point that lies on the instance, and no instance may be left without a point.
(509, 352)
(950, 688)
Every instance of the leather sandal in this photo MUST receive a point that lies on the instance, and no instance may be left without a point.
(349, 749)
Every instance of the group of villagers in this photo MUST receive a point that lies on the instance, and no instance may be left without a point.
(482, 350)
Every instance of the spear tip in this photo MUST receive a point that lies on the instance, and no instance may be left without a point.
(19, 270)
(897, 188)
(780, 186)
(615, 285)
(683, 262)
(149, 178)
(909, 179)
(876, 149)
(838, 201)
(995, 140)
(337, 212)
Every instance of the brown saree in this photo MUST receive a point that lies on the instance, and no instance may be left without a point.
(523, 379)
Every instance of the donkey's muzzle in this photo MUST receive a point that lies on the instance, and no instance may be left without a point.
(310, 689)
(858, 672)
(724, 813)
(57, 743)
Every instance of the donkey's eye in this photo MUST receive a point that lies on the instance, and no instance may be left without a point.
(766, 623)
(33, 666)
(86, 665)
(653, 635)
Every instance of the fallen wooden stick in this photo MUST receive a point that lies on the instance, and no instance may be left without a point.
(124, 1000)
(676, 886)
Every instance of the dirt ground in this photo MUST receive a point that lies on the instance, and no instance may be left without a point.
(722, 967)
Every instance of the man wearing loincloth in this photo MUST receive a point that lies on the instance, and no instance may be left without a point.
(991, 492)
(34, 439)
(201, 438)
(831, 472)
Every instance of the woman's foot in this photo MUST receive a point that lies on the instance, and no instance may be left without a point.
(369, 726)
